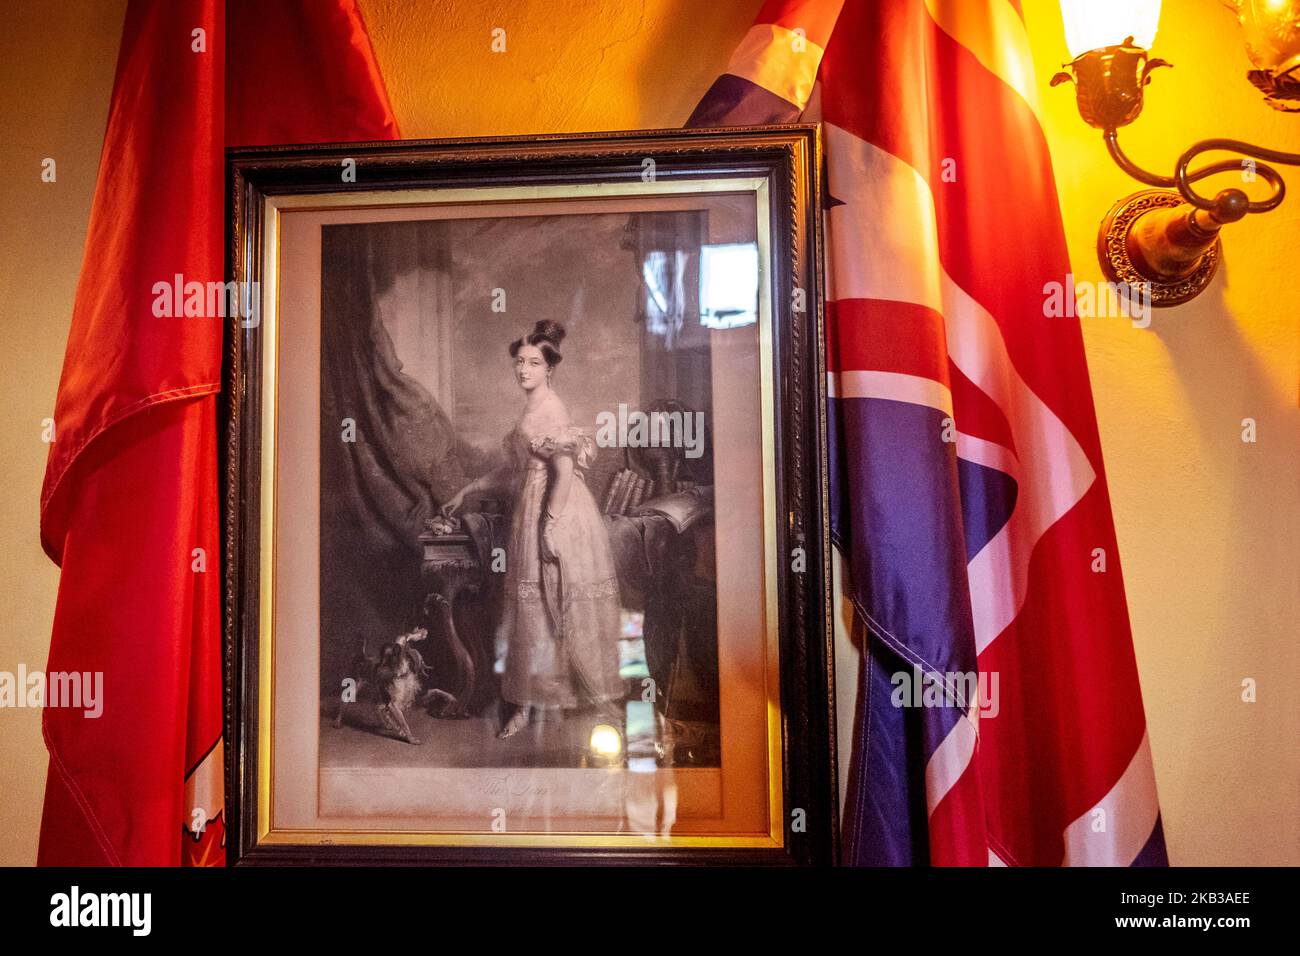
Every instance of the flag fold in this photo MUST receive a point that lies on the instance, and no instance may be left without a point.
(129, 509)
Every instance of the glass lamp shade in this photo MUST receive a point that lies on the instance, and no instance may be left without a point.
(1096, 24)
(1272, 29)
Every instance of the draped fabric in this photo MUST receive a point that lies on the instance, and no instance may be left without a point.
(130, 503)
(970, 514)
(388, 451)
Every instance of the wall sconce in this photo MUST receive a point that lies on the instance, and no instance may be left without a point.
(1167, 238)
(1272, 30)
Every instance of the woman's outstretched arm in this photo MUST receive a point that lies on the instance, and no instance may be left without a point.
(496, 479)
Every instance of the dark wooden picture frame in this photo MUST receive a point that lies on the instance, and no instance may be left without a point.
(788, 157)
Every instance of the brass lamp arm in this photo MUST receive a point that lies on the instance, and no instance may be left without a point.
(1266, 172)
(1132, 168)
(1165, 241)
(1183, 178)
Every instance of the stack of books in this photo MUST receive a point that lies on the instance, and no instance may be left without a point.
(629, 488)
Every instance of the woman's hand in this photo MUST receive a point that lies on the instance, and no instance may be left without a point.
(453, 504)
(548, 539)
(542, 445)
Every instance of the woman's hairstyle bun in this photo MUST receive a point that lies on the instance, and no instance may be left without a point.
(547, 329)
(547, 336)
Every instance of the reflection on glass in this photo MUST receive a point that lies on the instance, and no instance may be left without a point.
(728, 285)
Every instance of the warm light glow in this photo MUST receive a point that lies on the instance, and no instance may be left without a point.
(605, 740)
(1272, 29)
(1094, 24)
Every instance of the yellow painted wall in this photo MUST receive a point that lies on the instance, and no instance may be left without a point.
(1208, 527)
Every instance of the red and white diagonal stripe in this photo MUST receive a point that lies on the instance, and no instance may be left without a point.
(943, 230)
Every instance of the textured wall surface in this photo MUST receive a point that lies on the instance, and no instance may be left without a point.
(569, 65)
(1208, 525)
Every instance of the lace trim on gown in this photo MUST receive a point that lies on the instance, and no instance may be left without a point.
(532, 590)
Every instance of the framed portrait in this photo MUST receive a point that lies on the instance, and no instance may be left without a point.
(525, 486)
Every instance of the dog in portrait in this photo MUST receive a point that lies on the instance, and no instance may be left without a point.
(392, 682)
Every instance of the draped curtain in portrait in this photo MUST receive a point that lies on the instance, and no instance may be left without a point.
(388, 454)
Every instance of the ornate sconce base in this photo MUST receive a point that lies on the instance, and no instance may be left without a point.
(1148, 241)
(1162, 242)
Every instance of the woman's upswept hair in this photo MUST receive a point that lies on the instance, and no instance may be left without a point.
(547, 336)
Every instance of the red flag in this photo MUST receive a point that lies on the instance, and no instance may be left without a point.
(130, 504)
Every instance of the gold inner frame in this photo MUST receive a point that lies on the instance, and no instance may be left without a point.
(270, 305)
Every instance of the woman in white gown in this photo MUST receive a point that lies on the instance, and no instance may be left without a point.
(561, 618)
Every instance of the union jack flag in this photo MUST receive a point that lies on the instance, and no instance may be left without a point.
(970, 511)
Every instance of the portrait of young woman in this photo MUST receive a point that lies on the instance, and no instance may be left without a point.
(561, 618)
(520, 485)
